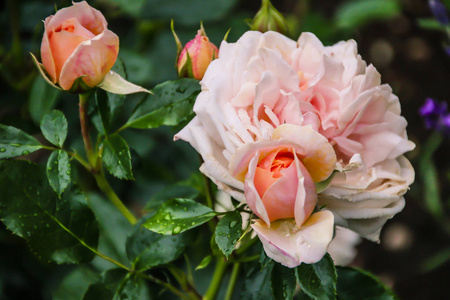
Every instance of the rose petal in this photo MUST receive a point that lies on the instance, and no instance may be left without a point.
(89, 17)
(317, 153)
(92, 59)
(289, 245)
(63, 44)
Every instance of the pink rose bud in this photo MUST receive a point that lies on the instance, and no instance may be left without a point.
(196, 56)
(76, 44)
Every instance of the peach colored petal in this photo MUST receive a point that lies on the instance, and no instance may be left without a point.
(306, 195)
(279, 199)
(87, 16)
(252, 197)
(92, 60)
(289, 245)
(263, 180)
(63, 43)
(46, 54)
(317, 154)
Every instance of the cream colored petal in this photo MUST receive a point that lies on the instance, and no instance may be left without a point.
(289, 245)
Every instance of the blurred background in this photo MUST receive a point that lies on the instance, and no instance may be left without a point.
(400, 37)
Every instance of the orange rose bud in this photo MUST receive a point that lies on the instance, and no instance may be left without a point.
(77, 49)
(196, 56)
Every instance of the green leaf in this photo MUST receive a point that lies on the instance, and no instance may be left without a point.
(178, 215)
(14, 142)
(355, 284)
(228, 231)
(59, 230)
(283, 282)
(116, 157)
(171, 103)
(147, 249)
(352, 14)
(318, 280)
(58, 171)
(257, 283)
(114, 227)
(264, 260)
(107, 107)
(204, 263)
(430, 176)
(102, 118)
(115, 101)
(42, 99)
(114, 83)
(75, 284)
(54, 127)
(115, 284)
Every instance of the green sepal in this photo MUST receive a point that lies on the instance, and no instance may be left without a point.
(116, 84)
(43, 73)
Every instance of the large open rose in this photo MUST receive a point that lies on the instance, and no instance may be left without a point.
(77, 43)
(266, 80)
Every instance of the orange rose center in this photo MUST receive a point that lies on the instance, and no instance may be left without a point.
(269, 169)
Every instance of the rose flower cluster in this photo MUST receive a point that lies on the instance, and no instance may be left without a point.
(306, 136)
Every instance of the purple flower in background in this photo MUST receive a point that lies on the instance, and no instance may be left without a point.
(435, 115)
(439, 11)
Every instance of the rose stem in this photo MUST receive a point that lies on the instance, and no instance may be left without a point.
(85, 130)
(95, 163)
(216, 280)
(234, 275)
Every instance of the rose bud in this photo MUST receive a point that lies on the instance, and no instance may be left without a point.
(196, 56)
(77, 44)
(279, 184)
(268, 18)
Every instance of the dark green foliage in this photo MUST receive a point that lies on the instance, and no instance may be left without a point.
(59, 230)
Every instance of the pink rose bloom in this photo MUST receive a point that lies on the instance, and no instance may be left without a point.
(77, 43)
(266, 80)
(360, 117)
